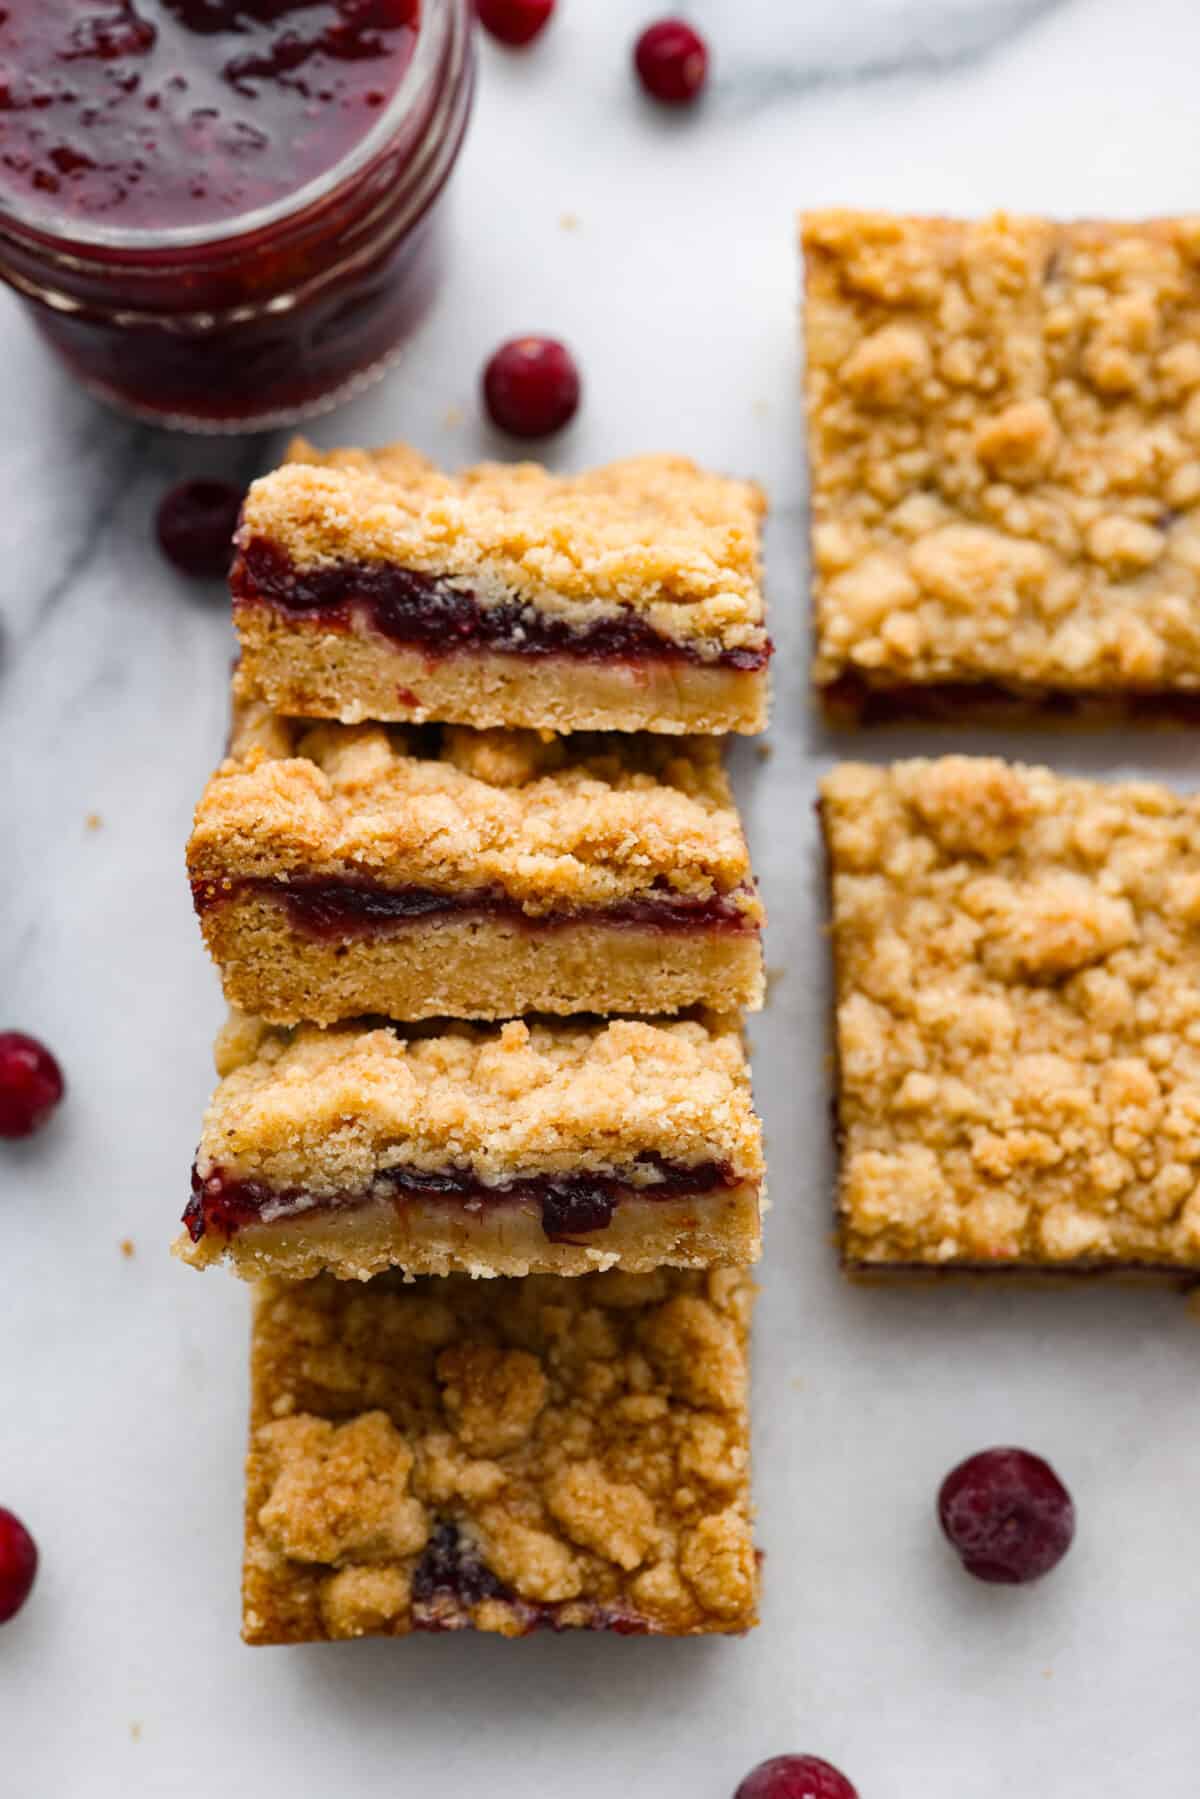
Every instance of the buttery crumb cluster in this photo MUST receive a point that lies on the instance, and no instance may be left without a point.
(484, 1139)
(328, 1110)
(1004, 426)
(526, 1453)
(563, 822)
(1018, 1025)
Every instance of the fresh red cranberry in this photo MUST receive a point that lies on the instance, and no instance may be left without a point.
(795, 1777)
(1007, 1514)
(672, 61)
(195, 525)
(31, 1084)
(531, 386)
(18, 1565)
(514, 22)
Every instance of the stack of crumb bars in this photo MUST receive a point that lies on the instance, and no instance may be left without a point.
(1004, 423)
(481, 902)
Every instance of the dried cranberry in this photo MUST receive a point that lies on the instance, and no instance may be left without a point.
(671, 61)
(1007, 1514)
(195, 526)
(31, 1084)
(531, 386)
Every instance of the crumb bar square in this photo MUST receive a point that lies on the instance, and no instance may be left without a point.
(504, 1457)
(540, 1147)
(421, 872)
(372, 585)
(1004, 447)
(1018, 1019)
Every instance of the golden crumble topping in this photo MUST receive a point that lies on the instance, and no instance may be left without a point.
(654, 533)
(551, 822)
(1018, 986)
(1004, 427)
(441, 1455)
(326, 1111)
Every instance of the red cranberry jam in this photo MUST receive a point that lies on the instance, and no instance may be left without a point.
(339, 911)
(190, 112)
(571, 1205)
(451, 1578)
(221, 208)
(442, 619)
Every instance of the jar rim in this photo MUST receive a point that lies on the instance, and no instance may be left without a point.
(424, 62)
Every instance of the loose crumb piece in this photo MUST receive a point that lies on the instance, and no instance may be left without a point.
(128, 1248)
(1018, 1025)
(533, 1453)
(93, 821)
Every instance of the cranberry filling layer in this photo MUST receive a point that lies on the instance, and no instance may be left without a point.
(451, 1578)
(429, 613)
(335, 910)
(571, 1205)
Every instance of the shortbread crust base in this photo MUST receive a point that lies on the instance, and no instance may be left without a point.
(1036, 1276)
(427, 1237)
(474, 967)
(306, 672)
(852, 702)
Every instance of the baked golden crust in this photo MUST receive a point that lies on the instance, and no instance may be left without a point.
(558, 824)
(652, 534)
(305, 672)
(475, 965)
(326, 1112)
(1004, 429)
(447, 1454)
(1018, 1025)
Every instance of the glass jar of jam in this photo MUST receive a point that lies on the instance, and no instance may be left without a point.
(222, 212)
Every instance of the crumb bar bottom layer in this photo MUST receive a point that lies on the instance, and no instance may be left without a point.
(475, 967)
(1018, 1019)
(1034, 1276)
(303, 671)
(358, 1240)
(852, 703)
(504, 1456)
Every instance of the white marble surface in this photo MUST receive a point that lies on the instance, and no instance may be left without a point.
(122, 1382)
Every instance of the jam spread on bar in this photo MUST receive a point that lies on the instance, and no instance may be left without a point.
(451, 1577)
(441, 619)
(338, 910)
(153, 114)
(571, 1205)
